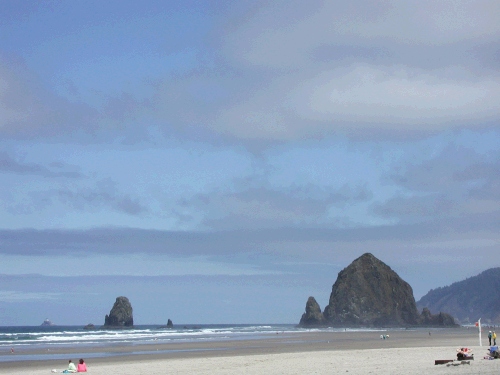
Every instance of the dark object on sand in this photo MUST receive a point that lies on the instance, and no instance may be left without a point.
(458, 363)
(442, 361)
(464, 354)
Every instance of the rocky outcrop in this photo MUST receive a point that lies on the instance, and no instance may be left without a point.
(313, 315)
(89, 327)
(439, 320)
(169, 325)
(120, 315)
(369, 293)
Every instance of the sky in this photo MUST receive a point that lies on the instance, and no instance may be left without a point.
(222, 161)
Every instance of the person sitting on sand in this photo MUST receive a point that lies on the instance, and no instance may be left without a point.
(71, 367)
(82, 367)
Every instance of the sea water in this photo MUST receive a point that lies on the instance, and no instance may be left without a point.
(17, 340)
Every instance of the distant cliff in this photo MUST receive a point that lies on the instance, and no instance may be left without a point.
(468, 300)
(369, 293)
(120, 315)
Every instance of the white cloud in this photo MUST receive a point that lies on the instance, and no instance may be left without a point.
(395, 69)
(395, 96)
(391, 68)
(364, 97)
(282, 34)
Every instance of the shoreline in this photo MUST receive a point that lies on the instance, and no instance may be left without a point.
(271, 344)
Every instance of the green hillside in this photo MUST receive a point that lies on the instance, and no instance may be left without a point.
(468, 300)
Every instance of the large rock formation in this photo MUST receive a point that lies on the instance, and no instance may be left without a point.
(120, 315)
(369, 293)
(313, 315)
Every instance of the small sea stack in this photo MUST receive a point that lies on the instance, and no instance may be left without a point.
(121, 315)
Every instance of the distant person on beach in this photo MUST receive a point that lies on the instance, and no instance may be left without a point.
(82, 367)
(494, 337)
(71, 367)
(489, 337)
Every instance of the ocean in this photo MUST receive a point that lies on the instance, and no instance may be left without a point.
(36, 342)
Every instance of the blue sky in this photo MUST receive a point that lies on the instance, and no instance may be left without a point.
(219, 162)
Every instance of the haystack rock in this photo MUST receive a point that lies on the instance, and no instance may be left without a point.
(313, 315)
(120, 315)
(369, 293)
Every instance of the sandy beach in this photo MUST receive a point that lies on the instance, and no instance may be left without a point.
(404, 352)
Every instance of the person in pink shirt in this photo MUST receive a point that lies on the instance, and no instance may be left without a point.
(82, 367)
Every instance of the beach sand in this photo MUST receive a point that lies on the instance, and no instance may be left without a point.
(404, 352)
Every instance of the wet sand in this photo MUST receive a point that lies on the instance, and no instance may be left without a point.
(408, 352)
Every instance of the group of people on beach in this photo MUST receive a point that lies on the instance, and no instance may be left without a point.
(82, 367)
(492, 335)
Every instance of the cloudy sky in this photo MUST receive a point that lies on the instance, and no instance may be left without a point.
(221, 161)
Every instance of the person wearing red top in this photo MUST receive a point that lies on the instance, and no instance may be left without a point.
(82, 367)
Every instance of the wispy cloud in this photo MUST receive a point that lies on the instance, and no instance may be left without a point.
(103, 195)
(264, 207)
(15, 296)
(11, 165)
(286, 72)
(91, 196)
(458, 183)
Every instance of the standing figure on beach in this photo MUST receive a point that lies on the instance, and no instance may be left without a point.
(82, 367)
(494, 337)
(489, 337)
